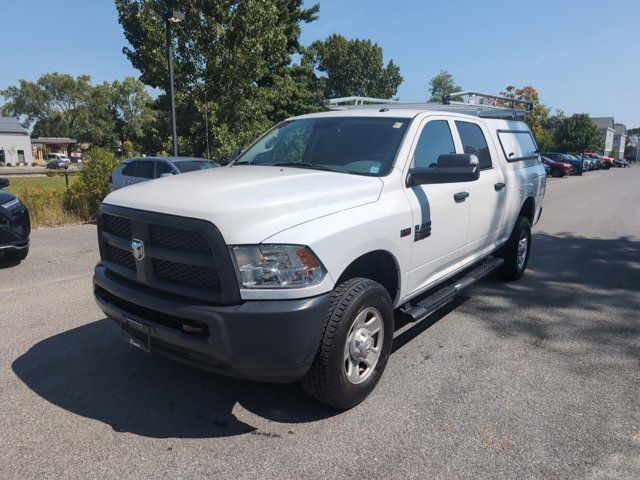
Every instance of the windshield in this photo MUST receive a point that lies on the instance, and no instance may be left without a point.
(192, 165)
(360, 145)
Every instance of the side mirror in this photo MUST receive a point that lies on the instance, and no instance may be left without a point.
(4, 183)
(451, 168)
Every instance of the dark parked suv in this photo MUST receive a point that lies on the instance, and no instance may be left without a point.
(14, 225)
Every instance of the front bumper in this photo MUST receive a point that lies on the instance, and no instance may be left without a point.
(15, 229)
(270, 340)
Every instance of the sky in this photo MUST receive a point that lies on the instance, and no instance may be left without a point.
(582, 56)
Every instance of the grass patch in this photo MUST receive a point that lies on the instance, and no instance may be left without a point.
(44, 196)
(44, 183)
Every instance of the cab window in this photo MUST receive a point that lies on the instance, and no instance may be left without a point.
(435, 140)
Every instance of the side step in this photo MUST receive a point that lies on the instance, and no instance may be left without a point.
(444, 295)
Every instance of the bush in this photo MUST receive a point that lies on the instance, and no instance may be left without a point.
(8, 164)
(34, 164)
(45, 206)
(84, 197)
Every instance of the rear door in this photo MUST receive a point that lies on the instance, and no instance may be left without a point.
(487, 195)
(440, 222)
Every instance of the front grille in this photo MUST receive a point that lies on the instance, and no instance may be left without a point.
(182, 256)
(178, 239)
(118, 226)
(187, 275)
(122, 257)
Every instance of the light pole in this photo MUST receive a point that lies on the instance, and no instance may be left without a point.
(170, 17)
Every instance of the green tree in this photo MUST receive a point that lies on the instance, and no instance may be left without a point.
(59, 105)
(351, 67)
(440, 85)
(238, 53)
(578, 133)
(538, 119)
(55, 95)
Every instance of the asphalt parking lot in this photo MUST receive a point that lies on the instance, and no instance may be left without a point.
(536, 379)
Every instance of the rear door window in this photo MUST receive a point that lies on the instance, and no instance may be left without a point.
(145, 169)
(474, 143)
(517, 145)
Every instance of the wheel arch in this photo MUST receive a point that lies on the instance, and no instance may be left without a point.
(528, 209)
(378, 265)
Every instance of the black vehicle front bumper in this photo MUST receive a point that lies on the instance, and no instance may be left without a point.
(15, 229)
(268, 340)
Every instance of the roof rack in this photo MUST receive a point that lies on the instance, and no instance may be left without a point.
(480, 104)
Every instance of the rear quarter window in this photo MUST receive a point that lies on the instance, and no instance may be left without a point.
(517, 145)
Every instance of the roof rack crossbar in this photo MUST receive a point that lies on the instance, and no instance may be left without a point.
(476, 98)
(478, 104)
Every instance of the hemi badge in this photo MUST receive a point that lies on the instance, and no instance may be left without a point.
(405, 232)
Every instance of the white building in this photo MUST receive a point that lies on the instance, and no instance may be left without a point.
(620, 139)
(607, 128)
(15, 143)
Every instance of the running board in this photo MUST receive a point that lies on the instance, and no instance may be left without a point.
(444, 295)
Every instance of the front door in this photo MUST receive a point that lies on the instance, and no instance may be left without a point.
(439, 221)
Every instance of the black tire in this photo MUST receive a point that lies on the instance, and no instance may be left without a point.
(511, 269)
(556, 172)
(327, 379)
(17, 256)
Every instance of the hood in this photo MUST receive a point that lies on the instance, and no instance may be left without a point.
(251, 203)
(5, 197)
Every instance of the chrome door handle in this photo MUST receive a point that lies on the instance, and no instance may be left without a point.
(460, 196)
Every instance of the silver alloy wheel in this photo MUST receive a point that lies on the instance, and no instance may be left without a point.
(363, 346)
(522, 251)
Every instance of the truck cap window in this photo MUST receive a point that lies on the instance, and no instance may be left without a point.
(474, 143)
(518, 145)
(360, 145)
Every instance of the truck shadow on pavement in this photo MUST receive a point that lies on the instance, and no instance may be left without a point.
(92, 372)
(579, 299)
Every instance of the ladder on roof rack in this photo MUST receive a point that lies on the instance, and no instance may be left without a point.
(480, 104)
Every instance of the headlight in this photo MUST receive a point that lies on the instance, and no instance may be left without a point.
(277, 266)
(10, 203)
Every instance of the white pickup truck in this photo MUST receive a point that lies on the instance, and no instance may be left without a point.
(292, 262)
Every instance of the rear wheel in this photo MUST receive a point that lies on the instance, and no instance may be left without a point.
(555, 172)
(355, 345)
(516, 251)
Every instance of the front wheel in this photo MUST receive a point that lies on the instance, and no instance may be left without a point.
(516, 251)
(355, 345)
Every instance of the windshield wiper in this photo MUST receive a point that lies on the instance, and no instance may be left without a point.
(313, 166)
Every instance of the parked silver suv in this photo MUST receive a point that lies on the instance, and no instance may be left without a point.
(137, 170)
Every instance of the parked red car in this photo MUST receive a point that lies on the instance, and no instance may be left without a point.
(609, 161)
(558, 169)
(604, 163)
